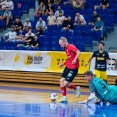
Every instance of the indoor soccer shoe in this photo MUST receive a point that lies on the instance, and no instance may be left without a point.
(63, 100)
(77, 91)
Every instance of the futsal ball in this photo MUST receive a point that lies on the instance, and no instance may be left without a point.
(53, 96)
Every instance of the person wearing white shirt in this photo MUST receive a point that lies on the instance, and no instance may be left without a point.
(11, 35)
(51, 19)
(10, 4)
(27, 24)
(41, 25)
(3, 4)
(79, 19)
(60, 19)
(57, 12)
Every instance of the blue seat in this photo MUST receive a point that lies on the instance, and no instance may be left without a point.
(36, 48)
(44, 39)
(28, 48)
(54, 38)
(25, 8)
(69, 33)
(32, 4)
(110, 24)
(62, 33)
(45, 49)
(53, 44)
(89, 41)
(46, 33)
(12, 43)
(77, 33)
(11, 48)
(81, 46)
(60, 49)
(70, 38)
(45, 44)
(54, 33)
(18, 13)
(20, 48)
(53, 49)
(2, 24)
(96, 35)
(79, 39)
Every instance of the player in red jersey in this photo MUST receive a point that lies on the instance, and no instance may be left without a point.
(71, 69)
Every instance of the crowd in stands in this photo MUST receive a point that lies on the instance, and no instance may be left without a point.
(66, 17)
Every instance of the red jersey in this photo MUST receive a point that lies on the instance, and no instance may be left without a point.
(71, 54)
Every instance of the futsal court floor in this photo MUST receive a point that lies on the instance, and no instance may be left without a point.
(32, 100)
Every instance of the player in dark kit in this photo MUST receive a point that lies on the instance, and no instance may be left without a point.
(71, 69)
(102, 59)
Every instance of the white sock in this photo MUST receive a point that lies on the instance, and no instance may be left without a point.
(64, 97)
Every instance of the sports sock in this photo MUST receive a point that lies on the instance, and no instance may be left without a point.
(72, 86)
(63, 89)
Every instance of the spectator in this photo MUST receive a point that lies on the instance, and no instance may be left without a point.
(94, 18)
(51, 19)
(104, 4)
(11, 35)
(68, 2)
(41, 26)
(41, 8)
(7, 15)
(18, 24)
(99, 26)
(27, 24)
(79, 19)
(32, 34)
(60, 19)
(57, 12)
(50, 8)
(79, 4)
(35, 42)
(1, 13)
(3, 4)
(20, 35)
(57, 2)
(67, 24)
(10, 4)
(27, 40)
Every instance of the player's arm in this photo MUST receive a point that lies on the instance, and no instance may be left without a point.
(107, 58)
(94, 55)
(77, 56)
(91, 97)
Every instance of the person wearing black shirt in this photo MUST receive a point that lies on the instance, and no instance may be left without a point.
(50, 8)
(67, 24)
(18, 24)
(94, 18)
(35, 42)
(101, 61)
(27, 40)
(104, 4)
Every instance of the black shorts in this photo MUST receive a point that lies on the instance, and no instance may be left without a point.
(69, 74)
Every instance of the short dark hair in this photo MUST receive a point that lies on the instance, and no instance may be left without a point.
(89, 73)
(102, 43)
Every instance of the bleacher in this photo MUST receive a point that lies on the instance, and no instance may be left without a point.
(81, 37)
(43, 78)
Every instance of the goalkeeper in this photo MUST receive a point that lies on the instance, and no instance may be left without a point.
(100, 89)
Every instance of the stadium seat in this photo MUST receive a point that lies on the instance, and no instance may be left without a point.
(20, 48)
(25, 8)
(28, 48)
(12, 43)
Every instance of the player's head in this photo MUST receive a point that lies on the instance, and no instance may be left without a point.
(63, 42)
(89, 75)
(101, 46)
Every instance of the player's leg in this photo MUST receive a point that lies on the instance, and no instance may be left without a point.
(104, 76)
(69, 78)
(97, 74)
(63, 87)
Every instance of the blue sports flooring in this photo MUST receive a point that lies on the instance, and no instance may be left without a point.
(53, 109)
(10, 109)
